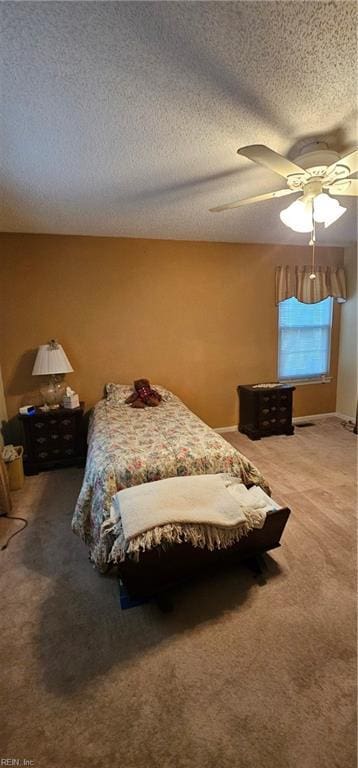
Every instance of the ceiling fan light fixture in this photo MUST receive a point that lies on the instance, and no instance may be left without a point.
(298, 216)
(336, 214)
(327, 209)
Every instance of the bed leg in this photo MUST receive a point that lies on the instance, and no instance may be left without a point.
(256, 564)
(164, 602)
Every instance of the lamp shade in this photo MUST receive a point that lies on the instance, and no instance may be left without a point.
(327, 209)
(51, 359)
(298, 215)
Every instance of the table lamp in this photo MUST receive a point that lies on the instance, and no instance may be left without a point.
(51, 361)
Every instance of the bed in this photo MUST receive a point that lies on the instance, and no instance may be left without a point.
(127, 447)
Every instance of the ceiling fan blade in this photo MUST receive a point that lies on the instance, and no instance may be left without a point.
(256, 199)
(349, 161)
(270, 159)
(346, 187)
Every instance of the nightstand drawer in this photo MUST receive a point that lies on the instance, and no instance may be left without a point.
(268, 398)
(42, 454)
(68, 438)
(67, 424)
(54, 436)
(40, 441)
(284, 421)
(269, 423)
(56, 452)
(39, 428)
(68, 451)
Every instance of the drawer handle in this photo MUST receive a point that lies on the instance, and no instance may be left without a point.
(54, 436)
(273, 408)
(66, 422)
(69, 451)
(68, 437)
(43, 454)
(40, 439)
(39, 424)
(273, 421)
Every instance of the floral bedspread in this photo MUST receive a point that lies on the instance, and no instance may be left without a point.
(128, 446)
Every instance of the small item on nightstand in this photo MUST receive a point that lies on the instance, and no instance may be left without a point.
(27, 410)
(71, 399)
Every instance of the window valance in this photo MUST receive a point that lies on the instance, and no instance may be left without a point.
(294, 281)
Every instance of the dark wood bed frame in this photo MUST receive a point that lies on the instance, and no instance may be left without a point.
(159, 569)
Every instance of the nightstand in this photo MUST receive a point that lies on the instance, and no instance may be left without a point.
(265, 411)
(53, 438)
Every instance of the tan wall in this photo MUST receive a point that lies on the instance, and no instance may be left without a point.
(199, 318)
(347, 366)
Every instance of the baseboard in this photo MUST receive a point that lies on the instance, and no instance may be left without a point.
(298, 420)
(226, 429)
(344, 417)
(313, 417)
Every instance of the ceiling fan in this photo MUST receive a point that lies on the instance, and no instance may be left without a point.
(315, 172)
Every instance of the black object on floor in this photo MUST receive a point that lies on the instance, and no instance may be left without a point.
(126, 601)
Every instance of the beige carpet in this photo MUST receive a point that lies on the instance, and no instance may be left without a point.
(239, 675)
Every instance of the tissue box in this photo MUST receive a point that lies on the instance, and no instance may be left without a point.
(71, 401)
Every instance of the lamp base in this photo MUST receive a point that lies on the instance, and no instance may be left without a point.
(52, 393)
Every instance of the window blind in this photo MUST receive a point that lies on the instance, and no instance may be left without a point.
(304, 339)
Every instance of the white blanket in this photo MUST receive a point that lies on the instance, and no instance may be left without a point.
(208, 510)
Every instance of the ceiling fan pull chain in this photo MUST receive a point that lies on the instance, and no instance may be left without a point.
(313, 243)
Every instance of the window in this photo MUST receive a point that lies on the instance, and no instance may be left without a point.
(304, 339)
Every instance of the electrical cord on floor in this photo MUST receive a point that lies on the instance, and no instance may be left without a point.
(10, 517)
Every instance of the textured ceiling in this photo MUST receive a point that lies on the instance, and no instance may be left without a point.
(124, 118)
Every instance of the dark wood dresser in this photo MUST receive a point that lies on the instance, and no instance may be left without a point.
(265, 411)
(53, 438)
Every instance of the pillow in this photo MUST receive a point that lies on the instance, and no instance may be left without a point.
(165, 393)
(118, 393)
